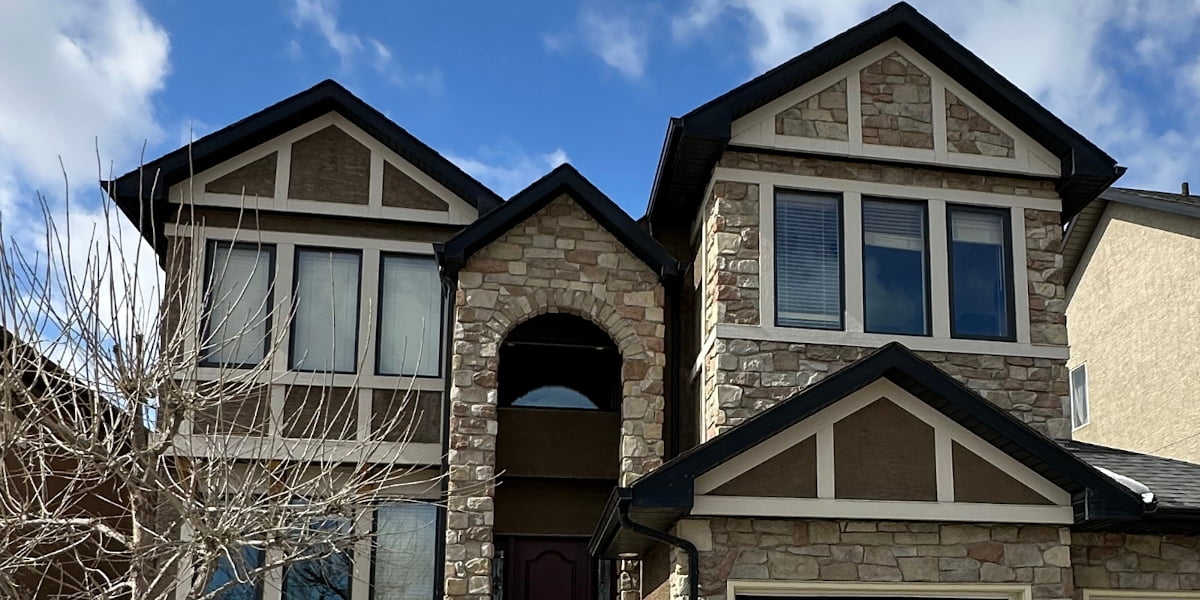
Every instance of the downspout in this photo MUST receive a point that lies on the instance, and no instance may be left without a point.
(449, 292)
(666, 538)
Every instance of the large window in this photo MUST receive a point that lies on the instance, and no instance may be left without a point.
(410, 328)
(325, 324)
(233, 578)
(405, 552)
(808, 260)
(327, 577)
(981, 290)
(1080, 411)
(237, 328)
(895, 267)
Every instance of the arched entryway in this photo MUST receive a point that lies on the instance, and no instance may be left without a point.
(557, 456)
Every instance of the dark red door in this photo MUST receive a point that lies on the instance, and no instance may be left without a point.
(548, 569)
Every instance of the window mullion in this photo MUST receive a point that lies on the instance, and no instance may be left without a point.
(852, 233)
(939, 269)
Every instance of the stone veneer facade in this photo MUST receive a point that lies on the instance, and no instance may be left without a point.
(897, 107)
(969, 132)
(1119, 561)
(559, 260)
(822, 115)
(744, 377)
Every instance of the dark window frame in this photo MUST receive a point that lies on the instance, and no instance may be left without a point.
(357, 308)
(1071, 375)
(438, 546)
(928, 271)
(211, 246)
(441, 298)
(1007, 250)
(841, 212)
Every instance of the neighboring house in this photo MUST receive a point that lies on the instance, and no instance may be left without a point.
(1132, 261)
(830, 360)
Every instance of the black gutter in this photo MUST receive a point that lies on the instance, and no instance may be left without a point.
(449, 287)
(625, 498)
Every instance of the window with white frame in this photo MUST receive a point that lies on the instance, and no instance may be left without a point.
(895, 267)
(237, 323)
(405, 552)
(981, 288)
(410, 315)
(326, 299)
(808, 259)
(1080, 414)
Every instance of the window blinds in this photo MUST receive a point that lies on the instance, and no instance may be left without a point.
(325, 326)
(808, 263)
(410, 328)
(239, 303)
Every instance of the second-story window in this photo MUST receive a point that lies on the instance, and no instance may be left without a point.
(325, 323)
(237, 326)
(1080, 413)
(808, 260)
(410, 328)
(981, 290)
(895, 267)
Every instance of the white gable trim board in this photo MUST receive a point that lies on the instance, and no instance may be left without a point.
(757, 129)
(458, 213)
(825, 505)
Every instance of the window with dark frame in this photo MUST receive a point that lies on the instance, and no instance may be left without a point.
(405, 552)
(237, 325)
(326, 304)
(1080, 410)
(808, 260)
(559, 361)
(895, 267)
(981, 283)
(235, 575)
(410, 316)
(325, 578)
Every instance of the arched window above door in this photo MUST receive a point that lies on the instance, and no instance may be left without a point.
(559, 361)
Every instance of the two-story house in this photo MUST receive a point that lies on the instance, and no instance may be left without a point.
(830, 361)
(1132, 262)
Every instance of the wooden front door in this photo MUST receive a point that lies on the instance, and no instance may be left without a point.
(547, 569)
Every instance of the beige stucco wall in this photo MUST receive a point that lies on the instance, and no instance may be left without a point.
(1134, 314)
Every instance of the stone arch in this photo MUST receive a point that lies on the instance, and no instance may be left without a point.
(517, 309)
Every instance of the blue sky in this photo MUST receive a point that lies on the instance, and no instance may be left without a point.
(508, 89)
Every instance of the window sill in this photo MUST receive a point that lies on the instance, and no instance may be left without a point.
(277, 448)
(400, 382)
(874, 340)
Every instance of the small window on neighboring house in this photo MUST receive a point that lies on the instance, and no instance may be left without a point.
(232, 577)
(981, 290)
(808, 260)
(405, 552)
(1079, 397)
(325, 323)
(237, 326)
(895, 267)
(410, 316)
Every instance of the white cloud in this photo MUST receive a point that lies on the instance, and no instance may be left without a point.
(1068, 55)
(619, 40)
(322, 15)
(507, 172)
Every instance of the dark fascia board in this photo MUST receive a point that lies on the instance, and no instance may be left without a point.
(152, 179)
(564, 179)
(1087, 170)
(672, 484)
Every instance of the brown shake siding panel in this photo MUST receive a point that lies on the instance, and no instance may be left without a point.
(256, 179)
(245, 414)
(789, 474)
(330, 166)
(976, 480)
(402, 191)
(549, 506)
(400, 415)
(883, 452)
(320, 412)
(324, 225)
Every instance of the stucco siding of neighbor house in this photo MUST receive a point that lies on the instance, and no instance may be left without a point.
(1134, 318)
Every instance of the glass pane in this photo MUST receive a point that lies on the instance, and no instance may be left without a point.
(894, 267)
(410, 302)
(1079, 399)
(808, 267)
(239, 291)
(325, 328)
(327, 577)
(555, 396)
(236, 574)
(405, 552)
(980, 279)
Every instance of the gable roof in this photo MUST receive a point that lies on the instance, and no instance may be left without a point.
(564, 179)
(264, 125)
(666, 494)
(695, 141)
(1083, 226)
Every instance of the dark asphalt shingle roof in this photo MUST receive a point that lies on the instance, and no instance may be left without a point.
(1151, 198)
(1175, 483)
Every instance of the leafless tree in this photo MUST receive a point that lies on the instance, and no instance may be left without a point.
(132, 466)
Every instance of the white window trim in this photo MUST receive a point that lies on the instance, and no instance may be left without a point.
(1087, 399)
(854, 335)
(825, 505)
(792, 589)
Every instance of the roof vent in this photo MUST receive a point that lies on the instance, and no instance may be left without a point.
(1184, 189)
